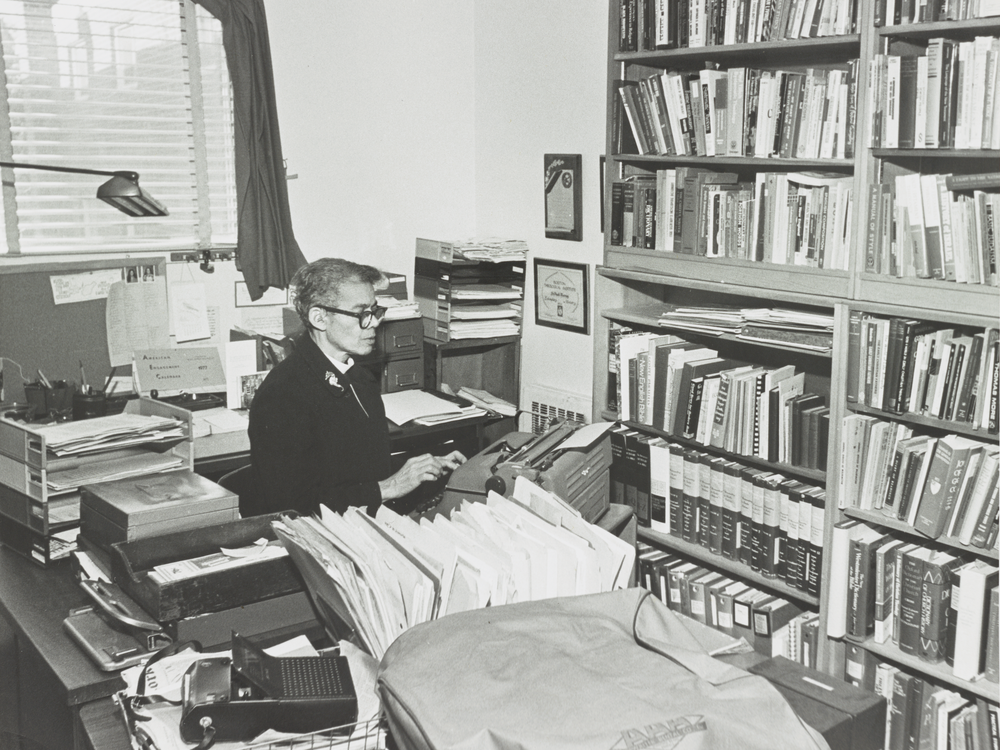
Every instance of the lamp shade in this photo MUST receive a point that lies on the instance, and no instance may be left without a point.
(123, 192)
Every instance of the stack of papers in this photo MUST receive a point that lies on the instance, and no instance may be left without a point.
(715, 320)
(424, 408)
(487, 400)
(387, 574)
(398, 309)
(105, 433)
(492, 250)
(483, 329)
(471, 292)
(110, 470)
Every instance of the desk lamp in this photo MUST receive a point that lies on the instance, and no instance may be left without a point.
(122, 191)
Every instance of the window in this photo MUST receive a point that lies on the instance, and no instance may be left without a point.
(138, 85)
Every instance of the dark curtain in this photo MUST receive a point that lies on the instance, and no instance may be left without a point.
(266, 250)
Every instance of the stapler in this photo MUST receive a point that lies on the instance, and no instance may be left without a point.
(114, 632)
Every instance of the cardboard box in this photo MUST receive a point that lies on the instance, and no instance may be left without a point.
(126, 510)
(848, 717)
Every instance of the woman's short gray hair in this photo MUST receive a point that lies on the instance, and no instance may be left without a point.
(319, 283)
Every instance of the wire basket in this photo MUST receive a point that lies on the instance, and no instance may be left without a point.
(362, 735)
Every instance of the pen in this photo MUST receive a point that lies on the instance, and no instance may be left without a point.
(111, 375)
(83, 380)
(45, 380)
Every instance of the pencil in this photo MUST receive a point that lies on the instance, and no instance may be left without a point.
(45, 380)
(83, 379)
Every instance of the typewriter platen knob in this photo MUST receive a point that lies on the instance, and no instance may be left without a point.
(496, 484)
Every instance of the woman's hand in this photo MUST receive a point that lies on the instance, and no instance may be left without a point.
(416, 471)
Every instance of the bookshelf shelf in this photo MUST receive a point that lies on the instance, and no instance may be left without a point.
(972, 154)
(839, 46)
(798, 285)
(940, 672)
(756, 163)
(937, 425)
(744, 572)
(927, 298)
(876, 518)
(957, 29)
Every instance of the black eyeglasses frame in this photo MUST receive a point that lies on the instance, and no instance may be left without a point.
(364, 317)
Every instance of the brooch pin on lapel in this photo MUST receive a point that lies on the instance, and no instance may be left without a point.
(331, 379)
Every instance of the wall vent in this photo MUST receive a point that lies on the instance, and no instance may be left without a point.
(541, 405)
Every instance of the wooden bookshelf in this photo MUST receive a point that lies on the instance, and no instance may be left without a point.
(635, 283)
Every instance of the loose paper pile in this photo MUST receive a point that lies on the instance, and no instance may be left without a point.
(386, 574)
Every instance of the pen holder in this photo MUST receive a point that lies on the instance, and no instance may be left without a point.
(50, 401)
(34, 394)
(88, 405)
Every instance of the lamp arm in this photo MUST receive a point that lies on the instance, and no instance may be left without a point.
(75, 170)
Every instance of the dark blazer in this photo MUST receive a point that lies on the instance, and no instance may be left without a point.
(316, 436)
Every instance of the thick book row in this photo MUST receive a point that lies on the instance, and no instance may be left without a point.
(771, 624)
(691, 392)
(922, 714)
(668, 24)
(931, 604)
(771, 524)
(940, 486)
(945, 98)
(909, 366)
(801, 218)
(896, 12)
(933, 226)
(744, 112)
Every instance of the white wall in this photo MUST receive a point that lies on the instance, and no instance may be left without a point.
(431, 118)
(540, 88)
(375, 104)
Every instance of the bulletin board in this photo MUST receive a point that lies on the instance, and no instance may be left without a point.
(39, 334)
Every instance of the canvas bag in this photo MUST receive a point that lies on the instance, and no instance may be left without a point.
(611, 671)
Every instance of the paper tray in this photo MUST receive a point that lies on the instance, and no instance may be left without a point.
(210, 592)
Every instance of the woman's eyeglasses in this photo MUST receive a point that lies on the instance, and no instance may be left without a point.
(365, 317)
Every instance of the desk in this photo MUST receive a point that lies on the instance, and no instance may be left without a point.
(219, 453)
(52, 677)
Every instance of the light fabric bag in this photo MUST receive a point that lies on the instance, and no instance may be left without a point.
(612, 671)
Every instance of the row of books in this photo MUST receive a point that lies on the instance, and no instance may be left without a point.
(771, 624)
(945, 98)
(931, 604)
(937, 226)
(896, 12)
(691, 392)
(667, 24)
(744, 112)
(801, 218)
(771, 524)
(940, 486)
(922, 714)
(903, 365)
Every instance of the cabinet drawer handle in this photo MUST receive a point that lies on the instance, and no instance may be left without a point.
(410, 379)
(401, 341)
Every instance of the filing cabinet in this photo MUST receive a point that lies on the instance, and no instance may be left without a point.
(398, 358)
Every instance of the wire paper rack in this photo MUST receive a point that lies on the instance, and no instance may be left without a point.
(363, 735)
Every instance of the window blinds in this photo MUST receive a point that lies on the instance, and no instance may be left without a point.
(115, 85)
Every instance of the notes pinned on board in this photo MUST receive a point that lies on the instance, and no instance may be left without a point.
(136, 319)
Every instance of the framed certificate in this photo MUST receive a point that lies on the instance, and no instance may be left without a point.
(563, 197)
(561, 295)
